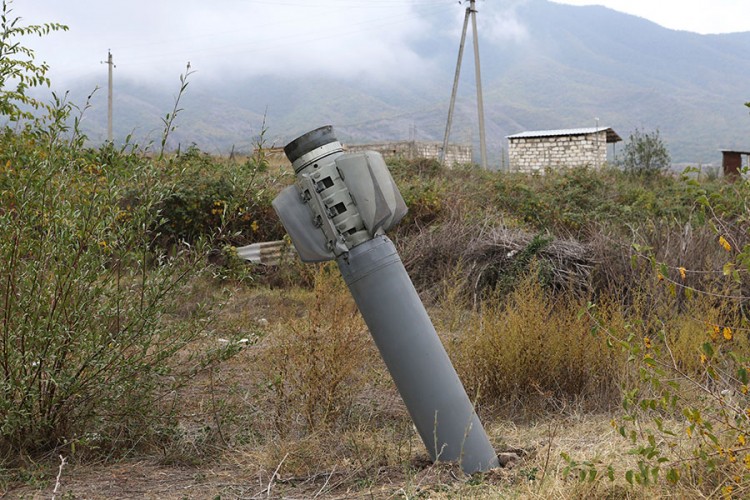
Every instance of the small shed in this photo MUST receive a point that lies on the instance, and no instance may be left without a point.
(539, 150)
(731, 162)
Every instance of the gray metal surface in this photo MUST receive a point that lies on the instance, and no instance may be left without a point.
(372, 189)
(297, 218)
(437, 402)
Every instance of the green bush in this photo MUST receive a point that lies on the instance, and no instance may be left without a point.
(645, 154)
(211, 196)
(87, 346)
(583, 199)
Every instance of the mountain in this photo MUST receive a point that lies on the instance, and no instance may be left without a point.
(544, 66)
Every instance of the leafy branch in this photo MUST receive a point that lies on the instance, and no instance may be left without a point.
(18, 71)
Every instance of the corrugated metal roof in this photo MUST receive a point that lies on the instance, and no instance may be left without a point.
(611, 134)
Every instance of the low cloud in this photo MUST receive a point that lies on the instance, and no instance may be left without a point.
(153, 42)
(504, 25)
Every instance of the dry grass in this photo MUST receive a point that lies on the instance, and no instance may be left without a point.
(530, 352)
(306, 409)
(388, 469)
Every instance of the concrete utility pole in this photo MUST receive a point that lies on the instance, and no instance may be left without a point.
(478, 76)
(455, 90)
(109, 96)
(470, 11)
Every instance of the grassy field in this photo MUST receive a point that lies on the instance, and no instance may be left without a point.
(598, 319)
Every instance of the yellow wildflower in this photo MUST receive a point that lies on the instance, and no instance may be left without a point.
(741, 440)
(682, 273)
(715, 332)
(218, 207)
(647, 342)
(726, 491)
(703, 359)
(725, 244)
(727, 333)
(254, 226)
(743, 389)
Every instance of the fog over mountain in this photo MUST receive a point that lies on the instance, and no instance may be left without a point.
(544, 66)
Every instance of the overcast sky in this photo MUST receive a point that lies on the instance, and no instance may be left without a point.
(155, 39)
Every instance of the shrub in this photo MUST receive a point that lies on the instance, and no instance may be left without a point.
(86, 344)
(686, 409)
(214, 197)
(645, 153)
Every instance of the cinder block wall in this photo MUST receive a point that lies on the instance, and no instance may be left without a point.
(538, 154)
(410, 150)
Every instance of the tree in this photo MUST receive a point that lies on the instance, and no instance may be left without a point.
(645, 153)
(18, 71)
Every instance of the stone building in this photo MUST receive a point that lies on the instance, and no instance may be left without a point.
(540, 150)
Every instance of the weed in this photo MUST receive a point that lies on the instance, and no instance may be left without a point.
(314, 364)
(532, 348)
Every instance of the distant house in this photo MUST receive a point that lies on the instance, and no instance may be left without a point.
(540, 150)
(732, 162)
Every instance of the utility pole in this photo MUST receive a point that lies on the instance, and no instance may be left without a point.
(455, 89)
(478, 76)
(109, 96)
(470, 11)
